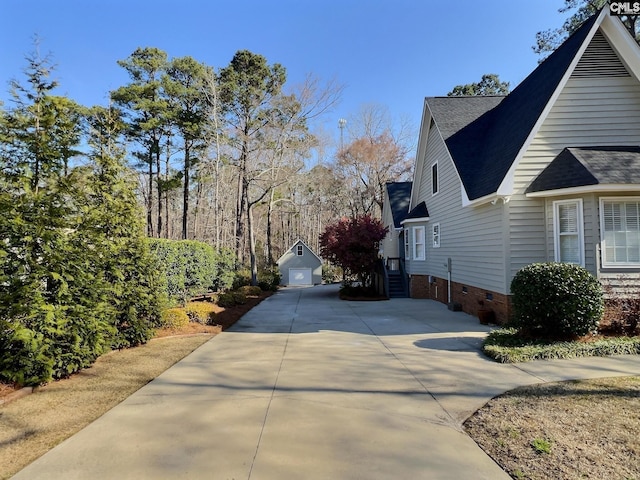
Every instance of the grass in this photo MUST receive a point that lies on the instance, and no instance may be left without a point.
(27, 427)
(564, 430)
(506, 346)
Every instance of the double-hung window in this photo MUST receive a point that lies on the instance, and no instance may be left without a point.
(620, 232)
(568, 231)
(300, 250)
(418, 243)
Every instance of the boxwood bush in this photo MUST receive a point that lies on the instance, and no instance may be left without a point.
(556, 300)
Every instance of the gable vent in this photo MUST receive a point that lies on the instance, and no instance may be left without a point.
(600, 60)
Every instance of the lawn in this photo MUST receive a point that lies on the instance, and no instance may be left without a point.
(564, 430)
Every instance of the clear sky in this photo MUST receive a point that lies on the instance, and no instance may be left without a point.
(387, 52)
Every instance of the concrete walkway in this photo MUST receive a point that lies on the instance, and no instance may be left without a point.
(308, 387)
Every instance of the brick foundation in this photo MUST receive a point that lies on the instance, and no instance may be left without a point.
(466, 295)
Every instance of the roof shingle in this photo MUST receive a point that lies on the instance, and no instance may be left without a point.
(484, 148)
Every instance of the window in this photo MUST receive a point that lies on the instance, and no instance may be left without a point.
(434, 178)
(300, 250)
(620, 231)
(568, 231)
(436, 235)
(407, 250)
(418, 243)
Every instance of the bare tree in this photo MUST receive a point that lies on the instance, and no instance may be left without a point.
(378, 152)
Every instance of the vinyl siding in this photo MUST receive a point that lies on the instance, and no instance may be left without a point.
(308, 259)
(597, 111)
(471, 236)
(389, 244)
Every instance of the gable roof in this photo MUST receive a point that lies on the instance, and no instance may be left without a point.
(419, 212)
(584, 166)
(290, 249)
(399, 194)
(486, 135)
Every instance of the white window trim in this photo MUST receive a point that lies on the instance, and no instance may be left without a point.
(603, 245)
(407, 248)
(435, 238)
(435, 164)
(300, 251)
(556, 228)
(419, 248)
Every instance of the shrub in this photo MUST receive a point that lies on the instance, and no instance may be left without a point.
(201, 312)
(250, 290)
(621, 315)
(175, 318)
(241, 278)
(193, 268)
(506, 345)
(331, 273)
(25, 359)
(556, 300)
(269, 279)
(239, 297)
(226, 300)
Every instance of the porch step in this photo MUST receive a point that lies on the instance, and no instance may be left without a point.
(396, 285)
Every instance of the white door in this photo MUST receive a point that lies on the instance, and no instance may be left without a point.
(300, 276)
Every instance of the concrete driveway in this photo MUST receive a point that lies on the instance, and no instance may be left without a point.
(306, 386)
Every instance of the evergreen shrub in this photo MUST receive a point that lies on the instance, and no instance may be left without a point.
(192, 268)
(239, 297)
(227, 299)
(250, 290)
(556, 300)
(25, 359)
(269, 279)
(201, 312)
(175, 318)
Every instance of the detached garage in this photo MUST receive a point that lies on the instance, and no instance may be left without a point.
(300, 266)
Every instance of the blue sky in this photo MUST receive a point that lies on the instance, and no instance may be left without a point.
(387, 52)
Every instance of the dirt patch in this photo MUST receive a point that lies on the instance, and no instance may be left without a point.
(565, 430)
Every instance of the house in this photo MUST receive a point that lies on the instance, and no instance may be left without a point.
(395, 206)
(300, 266)
(550, 172)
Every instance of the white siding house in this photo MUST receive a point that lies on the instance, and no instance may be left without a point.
(550, 172)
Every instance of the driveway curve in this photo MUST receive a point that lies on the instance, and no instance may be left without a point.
(306, 386)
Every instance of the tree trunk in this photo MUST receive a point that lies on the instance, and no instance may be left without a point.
(150, 198)
(242, 178)
(252, 247)
(269, 239)
(159, 188)
(185, 197)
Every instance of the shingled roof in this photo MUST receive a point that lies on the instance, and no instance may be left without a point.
(418, 212)
(399, 197)
(580, 167)
(485, 134)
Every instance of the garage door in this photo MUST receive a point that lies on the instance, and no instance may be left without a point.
(300, 276)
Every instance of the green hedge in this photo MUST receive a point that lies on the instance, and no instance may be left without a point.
(556, 300)
(193, 268)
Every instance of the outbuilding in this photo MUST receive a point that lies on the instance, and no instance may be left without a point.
(300, 266)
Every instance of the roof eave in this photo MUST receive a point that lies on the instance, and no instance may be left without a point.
(415, 220)
(506, 187)
(600, 188)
